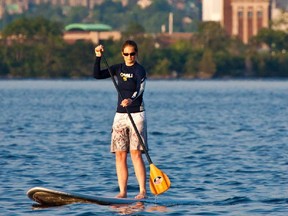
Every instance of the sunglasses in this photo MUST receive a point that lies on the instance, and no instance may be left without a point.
(131, 54)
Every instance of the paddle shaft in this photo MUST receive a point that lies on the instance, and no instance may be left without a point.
(128, 112)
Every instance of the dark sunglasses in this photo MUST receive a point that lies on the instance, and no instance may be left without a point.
(131, 54)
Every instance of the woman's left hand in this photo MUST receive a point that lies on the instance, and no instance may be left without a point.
(98, 50)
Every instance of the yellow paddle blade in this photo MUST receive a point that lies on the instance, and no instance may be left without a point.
(159, 181)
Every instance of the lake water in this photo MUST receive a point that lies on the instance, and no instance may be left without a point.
(224, 145)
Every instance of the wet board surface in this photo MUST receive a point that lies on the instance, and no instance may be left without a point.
(48, 197)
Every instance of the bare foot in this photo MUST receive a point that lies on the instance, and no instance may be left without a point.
(120, 195)
(141, 196)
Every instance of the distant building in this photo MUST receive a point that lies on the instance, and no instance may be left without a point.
(13, 7)
(89, 32)
(19, 6)
(144, 3)
(248, 17)
(242, 18)
(279, 15)
(212, 10)
(85, 3)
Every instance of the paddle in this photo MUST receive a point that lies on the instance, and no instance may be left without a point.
(159, 181)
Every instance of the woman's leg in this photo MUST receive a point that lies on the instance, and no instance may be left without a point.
(140, 172)
(122, 172)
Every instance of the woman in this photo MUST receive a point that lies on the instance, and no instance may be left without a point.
(131, 77)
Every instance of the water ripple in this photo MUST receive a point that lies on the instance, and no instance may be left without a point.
(223, 145)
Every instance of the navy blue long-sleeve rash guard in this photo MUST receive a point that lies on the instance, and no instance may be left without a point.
(131, 82)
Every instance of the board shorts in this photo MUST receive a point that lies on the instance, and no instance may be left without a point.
(124, 137)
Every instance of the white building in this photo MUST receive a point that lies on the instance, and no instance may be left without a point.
(212, 10)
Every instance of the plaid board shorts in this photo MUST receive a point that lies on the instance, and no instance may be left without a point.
(124, 137)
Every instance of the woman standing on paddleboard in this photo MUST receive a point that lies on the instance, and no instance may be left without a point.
(131, 77)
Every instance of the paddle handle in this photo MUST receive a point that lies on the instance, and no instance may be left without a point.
(128, 112)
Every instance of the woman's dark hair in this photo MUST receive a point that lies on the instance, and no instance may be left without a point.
(130, 43)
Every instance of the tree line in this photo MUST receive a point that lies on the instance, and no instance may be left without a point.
(34, 48)
(118, 15)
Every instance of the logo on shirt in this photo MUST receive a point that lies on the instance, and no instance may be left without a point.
(126, 76)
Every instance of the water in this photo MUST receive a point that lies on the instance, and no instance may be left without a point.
(224, 145)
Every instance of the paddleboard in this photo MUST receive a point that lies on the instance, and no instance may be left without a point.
(48, 197)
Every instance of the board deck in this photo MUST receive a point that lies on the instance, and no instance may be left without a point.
(48, 197)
